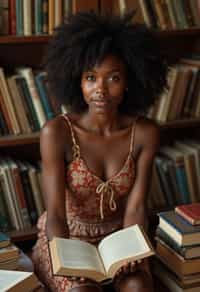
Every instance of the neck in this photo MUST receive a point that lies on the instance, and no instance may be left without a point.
(102, 124)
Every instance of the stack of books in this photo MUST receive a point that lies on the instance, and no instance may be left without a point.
(9, 253)
(178, 248)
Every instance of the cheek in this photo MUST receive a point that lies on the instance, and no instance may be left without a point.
(117, 91)
(87, 88)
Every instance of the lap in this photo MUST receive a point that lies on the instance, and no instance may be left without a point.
(140, 281)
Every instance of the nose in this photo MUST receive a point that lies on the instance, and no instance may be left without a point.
(101, 87)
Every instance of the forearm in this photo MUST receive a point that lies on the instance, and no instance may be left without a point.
(136, 216)
(57, 227)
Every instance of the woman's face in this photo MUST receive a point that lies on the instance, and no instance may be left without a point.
(103, 86)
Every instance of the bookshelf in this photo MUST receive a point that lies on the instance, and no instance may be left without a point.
(30, 50)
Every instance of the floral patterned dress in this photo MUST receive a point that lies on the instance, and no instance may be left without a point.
(89, 217)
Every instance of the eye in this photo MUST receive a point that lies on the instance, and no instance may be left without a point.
(114, 78)
(90, 77)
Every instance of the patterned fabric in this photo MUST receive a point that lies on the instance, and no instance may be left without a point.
(94, 208)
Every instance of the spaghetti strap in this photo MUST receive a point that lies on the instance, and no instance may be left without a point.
(133, 135)
(75, 147)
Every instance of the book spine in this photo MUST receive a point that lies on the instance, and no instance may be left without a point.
(12, 17)
(51, 16)
(20, 111)
(28, 75)
(9, 103)
(45, 16)
(20, 194)
(38, 16)
(5, 115)
(28, 195)
(28, 104)
(37, 195)
(27, 16)
(182, 183)
(19, 17)
(5, 223)
(40, 83)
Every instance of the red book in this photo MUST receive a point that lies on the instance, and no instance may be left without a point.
(12, 17)
(190, 212)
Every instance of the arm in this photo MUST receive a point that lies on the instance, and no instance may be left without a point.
(136, 213)
(149, 141)
(53, 177)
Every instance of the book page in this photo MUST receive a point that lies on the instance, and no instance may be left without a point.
(78, 254)
(123, 244)
(10, 278)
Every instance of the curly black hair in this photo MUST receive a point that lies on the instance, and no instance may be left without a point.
(84, 39)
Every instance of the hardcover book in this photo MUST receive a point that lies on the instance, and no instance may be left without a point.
(72, 257)
(190, 212)
(179, 229)
(4, 240)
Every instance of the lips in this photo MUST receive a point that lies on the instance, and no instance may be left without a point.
(100, 103)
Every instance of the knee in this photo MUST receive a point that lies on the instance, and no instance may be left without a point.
(138, 282)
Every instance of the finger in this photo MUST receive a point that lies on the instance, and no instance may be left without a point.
(126, 268)
(132, 266)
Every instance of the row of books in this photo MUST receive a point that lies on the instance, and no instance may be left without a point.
(171, 14)
(176, 173)
(21, 199)
(178, 248)
(11, 278)
(24, 102)
(32, 17)
(181, 99)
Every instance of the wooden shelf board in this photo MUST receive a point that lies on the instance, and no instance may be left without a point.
(178, 32)
(13, 140)
(45, 38)
(25, 139)
(182, 123)
(22, 235)
(24, 39)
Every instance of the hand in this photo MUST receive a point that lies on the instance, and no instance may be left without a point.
(129, 267)
(80, 280)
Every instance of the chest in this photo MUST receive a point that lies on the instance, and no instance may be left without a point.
(104, 156)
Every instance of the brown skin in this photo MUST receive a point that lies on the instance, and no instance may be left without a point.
(103, 88)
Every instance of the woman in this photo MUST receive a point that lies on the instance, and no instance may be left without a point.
(96, 161)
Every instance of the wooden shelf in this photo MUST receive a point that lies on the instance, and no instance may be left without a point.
(12, 39)
(23, 235)
(195, 31)
(24, 139)
(34, 138)
(183, 123)
(24, 39)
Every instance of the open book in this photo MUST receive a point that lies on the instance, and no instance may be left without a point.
(71, 257)
(15, 281)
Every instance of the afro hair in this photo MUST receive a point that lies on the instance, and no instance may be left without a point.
(84, 39)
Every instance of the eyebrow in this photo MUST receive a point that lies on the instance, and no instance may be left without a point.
(111, 71)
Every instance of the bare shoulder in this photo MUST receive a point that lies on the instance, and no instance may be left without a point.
(148, 133)
(55, 133)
